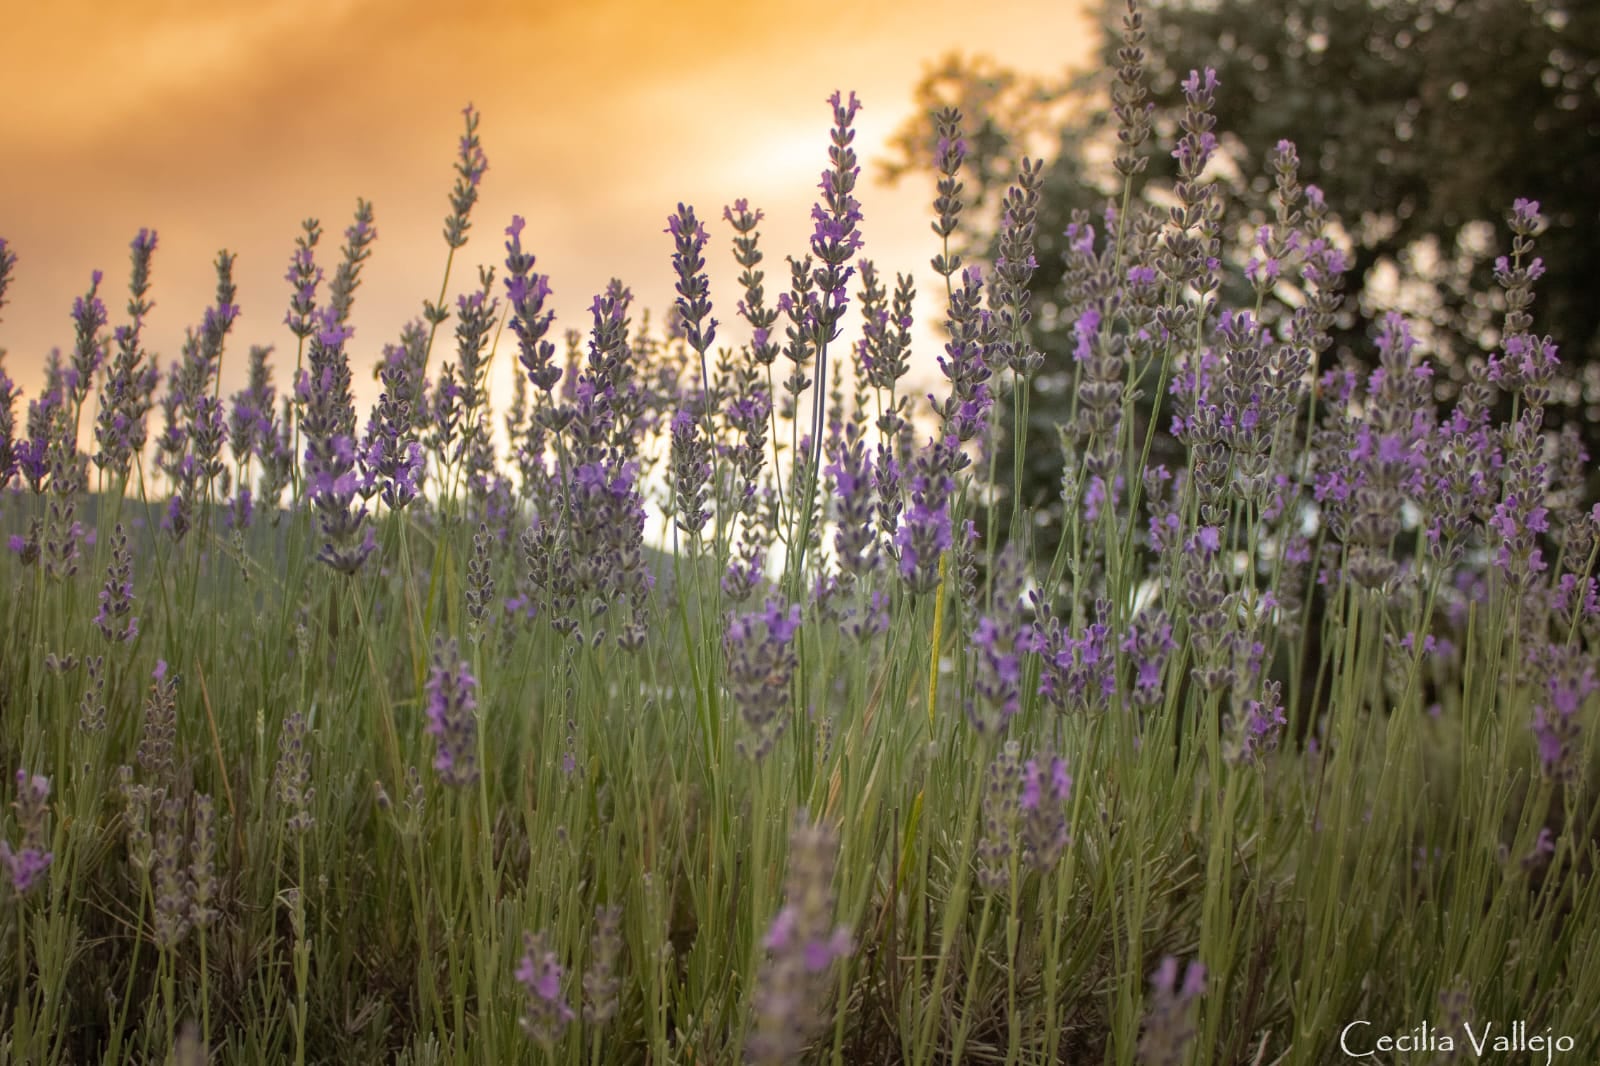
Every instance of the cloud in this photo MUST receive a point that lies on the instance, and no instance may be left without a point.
(225, 124)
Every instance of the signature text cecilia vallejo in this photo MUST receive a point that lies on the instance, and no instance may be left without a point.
(1358, 1041)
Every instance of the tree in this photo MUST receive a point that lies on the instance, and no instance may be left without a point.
(1421, 120)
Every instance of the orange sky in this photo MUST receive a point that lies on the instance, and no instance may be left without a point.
(223, 124)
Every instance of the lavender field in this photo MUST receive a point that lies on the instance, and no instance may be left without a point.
(705, 701)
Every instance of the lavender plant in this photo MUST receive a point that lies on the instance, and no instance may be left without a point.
(1311, 697)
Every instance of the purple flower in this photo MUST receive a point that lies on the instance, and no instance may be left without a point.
(998, 645)
(170, 923)
(357, 249)
(885, 332)
(303, 277)
(8, 419)
(332, 485)
(545, 1012)
(966, 360)
(480, 584)
(1148, 644)
(747, 254)
(925, 530)
(1520, 514)
(747, 416)
(1570, 679)
(115, 618)
(158, 735)
(855, 540)
(950, 151)
(803, 942)
(391, 457)
(997, 847)
(834, 241)
(26, 863)
(8, 261)
(694, 288)
(1046, 787)
(241, 509)
(202, 863)
(328, 419)
(26, 868)
(761, 663)
(835, 238)
(292, 776)
(1014, 267)
(250, 418)
(92, 704)
(452, 715)
(1169, 1013)
(1079, 672)
(527, 292)
(475, 318)
(600, 983)
(744, 572)
(1256, 725)
(88, 319)
(1525, 218)
(1544, 846)
(691, 471)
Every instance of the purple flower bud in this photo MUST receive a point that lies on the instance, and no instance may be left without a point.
(803, 943)
(545, 1011)
(1046, 788)
(452, 715)
(115, 619)
(1169, 1013)
(292, 776)
(761, 662)
(25, 865)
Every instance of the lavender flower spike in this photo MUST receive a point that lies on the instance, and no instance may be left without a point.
(601, 986)
(292, 778)
(691, 471)
(25, 865)
(998, 646)
(452, 707)
(527, 292)
(803, 944)
(1046, 787)
(761, 662)
(1169, 1013)
(116, 620)
(470, 167)
(689, 238)
(545, 1013)
(926, 531)
(88, 317)
(834, 241)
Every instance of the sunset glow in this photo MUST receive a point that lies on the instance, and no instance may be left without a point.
(222, 126)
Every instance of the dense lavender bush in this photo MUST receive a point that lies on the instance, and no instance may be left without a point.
(352, 746)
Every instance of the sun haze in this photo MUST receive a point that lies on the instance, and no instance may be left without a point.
(223, 125)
